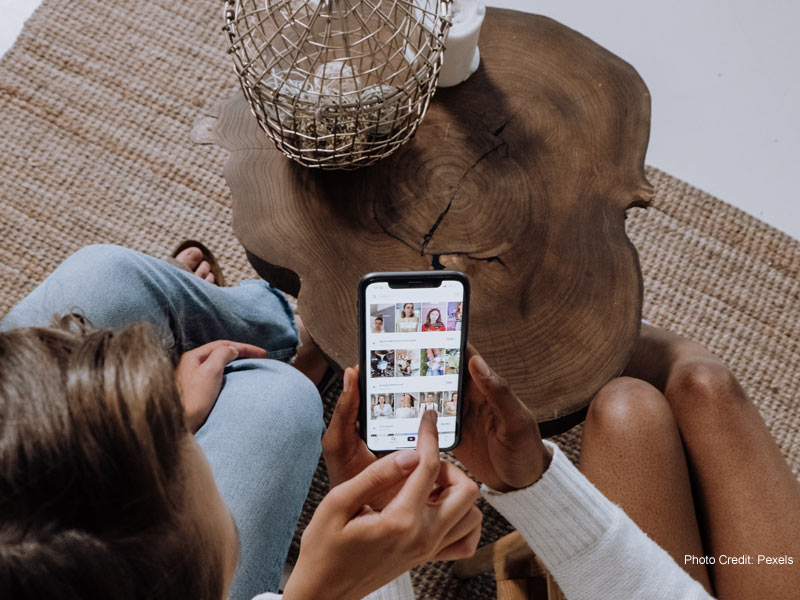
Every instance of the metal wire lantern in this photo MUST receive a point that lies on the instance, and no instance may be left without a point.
(338, 84)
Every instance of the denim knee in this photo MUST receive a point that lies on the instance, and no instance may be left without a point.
(99, 262)
(280, 399)
(95, 282)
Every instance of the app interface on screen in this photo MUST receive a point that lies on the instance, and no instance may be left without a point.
(413, 356)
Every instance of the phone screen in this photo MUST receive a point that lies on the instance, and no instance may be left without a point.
(413, 360)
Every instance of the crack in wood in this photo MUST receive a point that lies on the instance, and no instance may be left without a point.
(436, 259)
(427, 237)
(496, 259)
(499, 130)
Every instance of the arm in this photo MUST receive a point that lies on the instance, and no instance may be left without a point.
(382, 516)
(590, 546)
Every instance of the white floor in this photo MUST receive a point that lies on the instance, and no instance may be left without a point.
(723, 75)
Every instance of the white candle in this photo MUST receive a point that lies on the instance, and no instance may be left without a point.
(461, 56)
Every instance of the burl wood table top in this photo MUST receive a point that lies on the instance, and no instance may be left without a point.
(520, 177)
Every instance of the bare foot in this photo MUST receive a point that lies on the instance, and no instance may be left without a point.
(309, 359)
(192, 257)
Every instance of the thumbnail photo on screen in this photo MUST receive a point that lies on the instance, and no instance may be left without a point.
(381, 406)
(433, 316)
(406, 406)
(382, 318)
(454, 316)
(430, 401)
(449, 402)
(381, 363)
(406, 363)
(407, 317)
(439, 361)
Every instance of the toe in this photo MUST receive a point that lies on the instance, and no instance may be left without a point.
(210, 278)
(203, 269)
(191, 257)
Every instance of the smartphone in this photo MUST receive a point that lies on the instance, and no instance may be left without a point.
(412, 349)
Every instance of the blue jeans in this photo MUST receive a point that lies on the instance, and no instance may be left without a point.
(262, 438)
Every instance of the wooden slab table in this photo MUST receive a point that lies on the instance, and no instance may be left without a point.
(520, 177)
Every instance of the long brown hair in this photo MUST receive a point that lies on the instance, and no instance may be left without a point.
(91, 482)
(438, 319)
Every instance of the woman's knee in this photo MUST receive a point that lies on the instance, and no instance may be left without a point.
(625, 408)
(703, 384)
(95, 282)
(99, 260)
(278, 396)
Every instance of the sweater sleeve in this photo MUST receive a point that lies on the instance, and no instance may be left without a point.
(590, 546)
(397, 589)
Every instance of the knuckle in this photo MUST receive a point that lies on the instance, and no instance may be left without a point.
(476, 517)
(466, 487)
(374, 477)
(472, 544)
(474, 491)
(335, 496)
(500, 384)
(461, 549)
(430, 466)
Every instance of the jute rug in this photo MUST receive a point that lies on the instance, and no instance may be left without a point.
(96, 103)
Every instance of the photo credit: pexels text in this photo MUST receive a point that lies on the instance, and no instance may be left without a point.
(742, 559)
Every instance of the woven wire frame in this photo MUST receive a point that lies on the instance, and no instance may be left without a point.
(338, 84)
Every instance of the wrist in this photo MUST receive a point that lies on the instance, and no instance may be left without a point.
(298, 587)
(301, 586)
(542, 459)
(193, 423)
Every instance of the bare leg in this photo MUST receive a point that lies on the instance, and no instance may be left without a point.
(309, 359)
(632, 452)
(747, 498)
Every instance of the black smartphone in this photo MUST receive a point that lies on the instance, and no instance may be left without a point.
(412, 349)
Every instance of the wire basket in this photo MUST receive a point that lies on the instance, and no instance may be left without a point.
(338, 84)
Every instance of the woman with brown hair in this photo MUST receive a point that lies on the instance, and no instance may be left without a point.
(103, 493)
(407, 322)
(116, 466)
(433, 321)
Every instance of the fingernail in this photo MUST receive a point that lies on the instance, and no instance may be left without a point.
(406, 459)
(346, 380)
(482, 368)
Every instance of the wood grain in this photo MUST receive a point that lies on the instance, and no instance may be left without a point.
(520, 177)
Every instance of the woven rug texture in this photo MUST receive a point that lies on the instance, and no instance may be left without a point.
(97, 100)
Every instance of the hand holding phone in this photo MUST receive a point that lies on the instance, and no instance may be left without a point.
(346, 455)
(501, 445)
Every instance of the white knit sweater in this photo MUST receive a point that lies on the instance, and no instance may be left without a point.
(588, 544)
